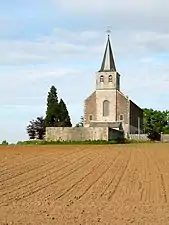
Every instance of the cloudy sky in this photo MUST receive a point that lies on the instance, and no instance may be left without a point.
(61, 43)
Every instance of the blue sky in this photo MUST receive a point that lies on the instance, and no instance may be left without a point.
(61, 43)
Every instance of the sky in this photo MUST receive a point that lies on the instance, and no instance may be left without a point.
(61, 43)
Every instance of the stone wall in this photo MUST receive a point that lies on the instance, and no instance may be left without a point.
(139, 137)
(165, 137)
(92, 133)
(76, 133)
(82, 133)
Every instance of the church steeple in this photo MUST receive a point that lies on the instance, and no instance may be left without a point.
(107, 78)
(108, 64)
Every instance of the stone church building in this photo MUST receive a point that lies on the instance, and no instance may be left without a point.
(108, 113)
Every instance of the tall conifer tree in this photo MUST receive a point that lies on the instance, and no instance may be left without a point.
(64, 118)
(52, 112)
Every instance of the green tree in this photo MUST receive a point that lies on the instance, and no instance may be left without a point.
(155, 122)
(4, 142)
(63, 117)
(52, 112)
(36, 129)
(40, 128)
(31, 130)
(166, 127)
(81, 122)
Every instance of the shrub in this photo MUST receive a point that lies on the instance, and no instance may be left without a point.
(4, 142)
(70, 142)
(79, 142)
(154, 136)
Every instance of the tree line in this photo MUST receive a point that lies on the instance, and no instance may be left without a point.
(155, 122)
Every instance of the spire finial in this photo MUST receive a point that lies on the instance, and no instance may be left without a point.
(108, 31)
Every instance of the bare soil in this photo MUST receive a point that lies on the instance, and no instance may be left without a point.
(85, 185)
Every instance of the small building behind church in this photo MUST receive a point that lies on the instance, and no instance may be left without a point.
(108, 113)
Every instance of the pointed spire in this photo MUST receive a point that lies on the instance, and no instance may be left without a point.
(108, 63)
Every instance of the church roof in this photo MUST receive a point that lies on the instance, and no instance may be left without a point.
(108, 63)
(114, 124)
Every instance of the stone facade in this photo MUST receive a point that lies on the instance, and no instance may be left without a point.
(105, 95)
(122, 108)
(123, 111)
(90, 108)
(107, 81)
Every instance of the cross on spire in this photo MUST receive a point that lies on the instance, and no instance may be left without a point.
(108, 31)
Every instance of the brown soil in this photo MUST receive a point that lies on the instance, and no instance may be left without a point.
(116, 184)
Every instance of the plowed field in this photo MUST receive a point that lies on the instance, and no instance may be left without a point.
(111, 184)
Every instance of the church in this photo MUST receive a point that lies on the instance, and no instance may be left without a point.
(107, 105)
(108, 113)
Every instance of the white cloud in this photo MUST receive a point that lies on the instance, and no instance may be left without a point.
(80, 48)
(22, 51)
(154, 41)
(123, 14)
(64, 45)
(151, 7)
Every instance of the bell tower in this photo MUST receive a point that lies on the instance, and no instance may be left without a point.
(107, 78)
(101, 106)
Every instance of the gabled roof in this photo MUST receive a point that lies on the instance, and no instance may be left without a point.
(108, 63)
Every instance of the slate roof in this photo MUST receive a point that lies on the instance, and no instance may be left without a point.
(108, 63)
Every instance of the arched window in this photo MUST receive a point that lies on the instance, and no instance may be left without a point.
(121, 117)
(91, 117)
(101, 78)
(110, 78)
(106, 104)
